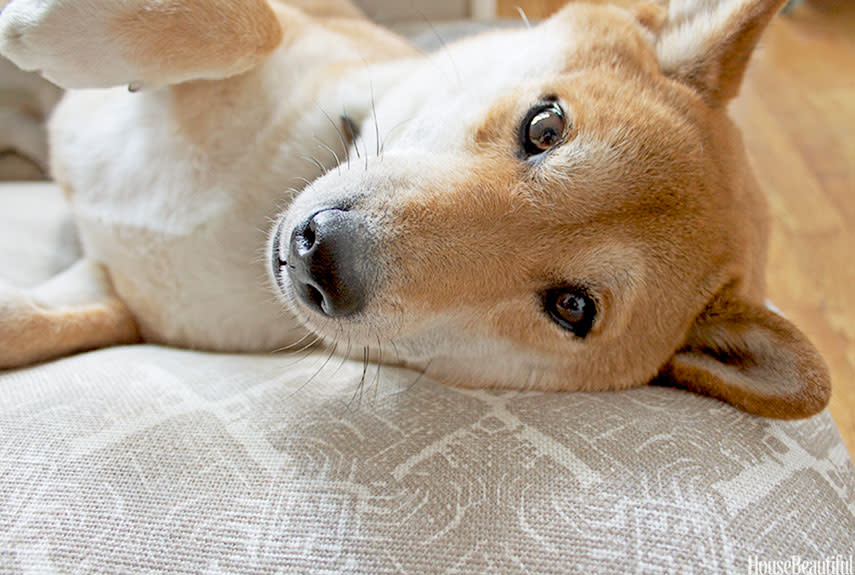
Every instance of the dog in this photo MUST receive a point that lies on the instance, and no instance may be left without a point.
(560, 207)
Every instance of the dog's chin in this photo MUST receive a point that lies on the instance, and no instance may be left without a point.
(430, 352)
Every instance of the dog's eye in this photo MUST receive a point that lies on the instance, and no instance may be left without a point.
(571, 308)
(543, 128)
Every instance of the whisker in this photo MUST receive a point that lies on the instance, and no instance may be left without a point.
(376, 125)
(314, 161)
(299, 357)
(364, 149)
(390, 132)
(319, 370)
(331, 151)
(376, 382)
(308, 345)
(523, 16)
(395, 347)
(354, 133)
(344, 145)
(359, 387)
(422, 373)
(295, 191)
(345, 358)
(295, 344)
(366, 354)
(443, 45)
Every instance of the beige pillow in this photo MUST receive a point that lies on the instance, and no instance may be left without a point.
(152, 460)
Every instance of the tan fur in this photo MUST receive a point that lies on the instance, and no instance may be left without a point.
(605, 216)
(195, 36)
(716, 70)
(752, 358)
(649, 203)
(74, 311)
(30, 334)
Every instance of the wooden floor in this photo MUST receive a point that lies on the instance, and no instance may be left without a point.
(797, 111)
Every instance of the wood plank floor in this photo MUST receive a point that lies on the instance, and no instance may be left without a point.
(797, 111)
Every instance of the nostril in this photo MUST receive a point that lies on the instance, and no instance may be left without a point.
(315, 296)
(306, 238)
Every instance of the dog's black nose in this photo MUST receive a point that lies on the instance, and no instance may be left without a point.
(325, 262)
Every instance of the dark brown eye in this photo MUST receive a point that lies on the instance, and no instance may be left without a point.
(544, 127)
(572, 309)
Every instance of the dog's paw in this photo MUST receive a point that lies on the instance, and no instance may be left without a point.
(14, 302)
(16, 311)
(138, 43)
(70, 42)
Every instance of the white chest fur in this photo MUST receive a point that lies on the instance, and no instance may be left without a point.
(182, 227)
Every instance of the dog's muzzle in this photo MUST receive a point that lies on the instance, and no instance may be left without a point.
(327, 261)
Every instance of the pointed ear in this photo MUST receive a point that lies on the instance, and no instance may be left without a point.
(652, 14)
(707, 43)
(752, 358)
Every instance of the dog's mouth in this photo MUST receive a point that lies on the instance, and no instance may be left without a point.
(279, 265)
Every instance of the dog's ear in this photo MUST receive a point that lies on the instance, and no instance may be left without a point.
(707, 44)
(748, 356)
(652, 14)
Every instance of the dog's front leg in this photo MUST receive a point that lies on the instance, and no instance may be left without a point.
(74, 311)
(140, 43)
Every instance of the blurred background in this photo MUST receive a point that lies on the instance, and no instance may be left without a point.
(402, 10)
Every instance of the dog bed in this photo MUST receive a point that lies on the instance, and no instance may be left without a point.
(146, 459)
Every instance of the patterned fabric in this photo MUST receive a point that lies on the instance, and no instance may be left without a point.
(151, 460)
(145, 460)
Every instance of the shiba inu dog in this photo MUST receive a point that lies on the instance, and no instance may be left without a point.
(561, 207)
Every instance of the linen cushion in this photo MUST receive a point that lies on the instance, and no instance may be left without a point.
(145, 459)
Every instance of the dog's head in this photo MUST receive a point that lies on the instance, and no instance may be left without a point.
(566, 207)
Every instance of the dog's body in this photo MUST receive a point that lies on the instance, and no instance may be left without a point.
(203, 168)
(564, 207)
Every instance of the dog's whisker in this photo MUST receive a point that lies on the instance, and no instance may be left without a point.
(523, 16)
(309, 345)
(376, 124)
(344, 358)
(315, 161)
(341, 137)
(360, 138)
(288, 347)
(298, 342)
(422, 374)
(376, 382)
(295, 191)
(318, 371)
(397, 353)
(354, 135)
(444, 46)
(366, 354)
(360, 385)
(330, 151)
(390, 132)
(300, 357)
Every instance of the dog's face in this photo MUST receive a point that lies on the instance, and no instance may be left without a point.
(559, 208)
